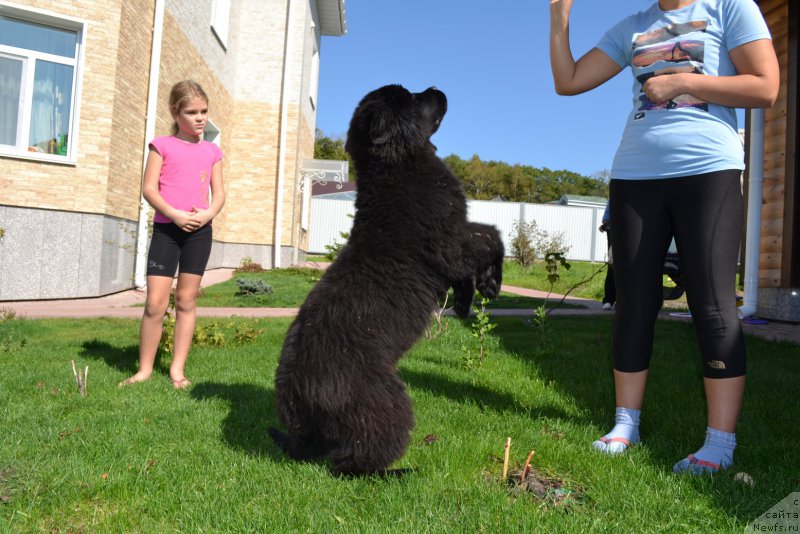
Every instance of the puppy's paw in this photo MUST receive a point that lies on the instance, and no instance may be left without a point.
(462, 308)
(488, 282)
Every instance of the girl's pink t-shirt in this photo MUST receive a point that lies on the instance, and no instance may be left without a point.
(185, 178)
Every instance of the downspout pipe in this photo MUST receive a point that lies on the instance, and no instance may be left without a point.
(284, 124)
(140, 267)
(754, 199)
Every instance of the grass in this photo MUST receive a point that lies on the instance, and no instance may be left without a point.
(510, 301)
(585, 279)
(535, 277)
(290, 287)
(318, 258)
(147, 458)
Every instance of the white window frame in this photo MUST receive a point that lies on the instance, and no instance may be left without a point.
(221, 20)
(313, 84)
(29, 57)
(313, 88)
(212, 134)
(21, 115)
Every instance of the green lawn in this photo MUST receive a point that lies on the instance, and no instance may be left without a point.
(592, 275)
(147, 458)
(583, 279)
(290, 287)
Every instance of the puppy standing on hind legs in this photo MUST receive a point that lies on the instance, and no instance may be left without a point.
(338, 392)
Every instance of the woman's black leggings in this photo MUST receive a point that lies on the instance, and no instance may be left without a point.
(704, 213)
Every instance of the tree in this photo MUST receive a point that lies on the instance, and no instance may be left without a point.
(329, 148)
(484, 180)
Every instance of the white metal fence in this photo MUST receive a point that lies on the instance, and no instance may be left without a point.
(578, 225)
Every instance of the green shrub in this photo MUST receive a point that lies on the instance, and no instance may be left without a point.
(530, 243)
(336, 247)
(252, 286)
(249, 266)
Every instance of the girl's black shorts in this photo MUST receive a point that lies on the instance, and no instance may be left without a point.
(171, 246)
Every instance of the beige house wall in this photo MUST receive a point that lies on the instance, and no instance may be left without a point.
(250, 73)
(305, 151)
(129, 109)
(82, 187)
(250, 184)
(94, 201)
(180, 60)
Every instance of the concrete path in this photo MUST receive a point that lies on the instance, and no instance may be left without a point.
(124, 305)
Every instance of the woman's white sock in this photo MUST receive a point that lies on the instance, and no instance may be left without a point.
(624, 434)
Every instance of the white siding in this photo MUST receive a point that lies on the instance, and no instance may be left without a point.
(578, 224)
(329, 217)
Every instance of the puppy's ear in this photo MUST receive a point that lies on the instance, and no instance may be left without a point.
(383, 125)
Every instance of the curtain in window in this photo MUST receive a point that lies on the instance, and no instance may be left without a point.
(50, 112)
(10, 86)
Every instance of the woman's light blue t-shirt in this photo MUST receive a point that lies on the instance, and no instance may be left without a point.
(684, 136)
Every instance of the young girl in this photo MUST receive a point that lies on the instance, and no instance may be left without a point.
(677, 172)
(180, 170)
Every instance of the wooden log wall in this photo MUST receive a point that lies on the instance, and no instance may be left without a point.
(771, 257)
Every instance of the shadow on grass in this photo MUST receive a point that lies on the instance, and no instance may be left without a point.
(575, 355)
(252, 412)
(510, 301)
(573, 360)
(123, 359)
(467, 393)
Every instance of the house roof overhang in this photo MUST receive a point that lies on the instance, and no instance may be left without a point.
(331, 17)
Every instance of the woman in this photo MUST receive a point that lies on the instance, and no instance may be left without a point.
(677, 172)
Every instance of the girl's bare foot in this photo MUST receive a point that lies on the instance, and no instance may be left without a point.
(181, 383)
(138, 377)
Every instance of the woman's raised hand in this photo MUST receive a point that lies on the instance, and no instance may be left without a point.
(559, 11)
(563, 4)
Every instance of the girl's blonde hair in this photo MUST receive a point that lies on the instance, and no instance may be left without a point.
(180, 95)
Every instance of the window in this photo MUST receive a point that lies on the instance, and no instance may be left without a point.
(313, 86)
(220, 20)
(39, 60)
(313, 89)
(211, 133)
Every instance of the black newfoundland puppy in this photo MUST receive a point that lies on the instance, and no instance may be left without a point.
(337, 387)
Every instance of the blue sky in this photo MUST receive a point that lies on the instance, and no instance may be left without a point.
(492, 61)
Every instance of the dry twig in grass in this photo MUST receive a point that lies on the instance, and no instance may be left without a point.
(441, 325)
(505, 458)
(81, 381)
(525, 468)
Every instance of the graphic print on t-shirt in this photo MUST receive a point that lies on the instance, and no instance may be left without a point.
(666, 51)
(205, 184)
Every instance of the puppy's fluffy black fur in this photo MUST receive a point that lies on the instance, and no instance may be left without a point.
(337, 388)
